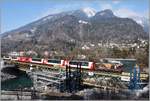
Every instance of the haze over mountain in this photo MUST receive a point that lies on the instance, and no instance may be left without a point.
(71, 28)
(144, 22)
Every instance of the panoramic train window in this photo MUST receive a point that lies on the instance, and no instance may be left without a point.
(36, 59)
(75, 63)
(54, 61)
(84, 63)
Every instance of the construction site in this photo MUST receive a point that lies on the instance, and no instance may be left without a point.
(55, 82)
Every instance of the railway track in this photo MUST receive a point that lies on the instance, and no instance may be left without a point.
(26, 66)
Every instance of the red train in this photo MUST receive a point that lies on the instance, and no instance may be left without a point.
(108, 67)
(54, 62)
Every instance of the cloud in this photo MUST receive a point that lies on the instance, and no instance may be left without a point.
(116, 1)
(106, 6)
(48, 12)
(146, 14)
(51, 11)
(60, 8)
(124, 12)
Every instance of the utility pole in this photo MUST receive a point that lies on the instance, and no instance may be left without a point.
(34, 78)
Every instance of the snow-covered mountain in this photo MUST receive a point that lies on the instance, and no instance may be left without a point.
(89, 12)
(82, 25)
(105, 14)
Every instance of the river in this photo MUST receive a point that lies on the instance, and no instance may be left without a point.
(22, 81)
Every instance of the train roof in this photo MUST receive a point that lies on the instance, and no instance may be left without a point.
(119, 59)
(78, 61)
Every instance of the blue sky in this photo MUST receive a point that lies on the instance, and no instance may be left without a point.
(16, 13)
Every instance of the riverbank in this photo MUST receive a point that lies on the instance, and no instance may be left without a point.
(9, 72)
(6, 76)
(15, 95)
(22, 81)
(12, 78)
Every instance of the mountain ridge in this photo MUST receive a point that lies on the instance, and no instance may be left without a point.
(70, 28)
(135, 18)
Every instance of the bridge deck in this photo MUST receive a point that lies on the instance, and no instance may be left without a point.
(143, 76)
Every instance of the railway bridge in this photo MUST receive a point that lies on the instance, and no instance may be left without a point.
(54, 75)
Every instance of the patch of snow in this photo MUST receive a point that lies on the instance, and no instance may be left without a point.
(72, 40)
(27, 35)
(140, 22)
(44, 19)
(84, 22)
(99, 44)
(102, 13)
(33, 29)
(47, 18)
(92, 45)
(89, 11)
(81, 56)
(9, 36)
(85, 47)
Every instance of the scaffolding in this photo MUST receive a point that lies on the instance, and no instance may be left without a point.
(62, 81)
(135, 78)
(73, 79)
